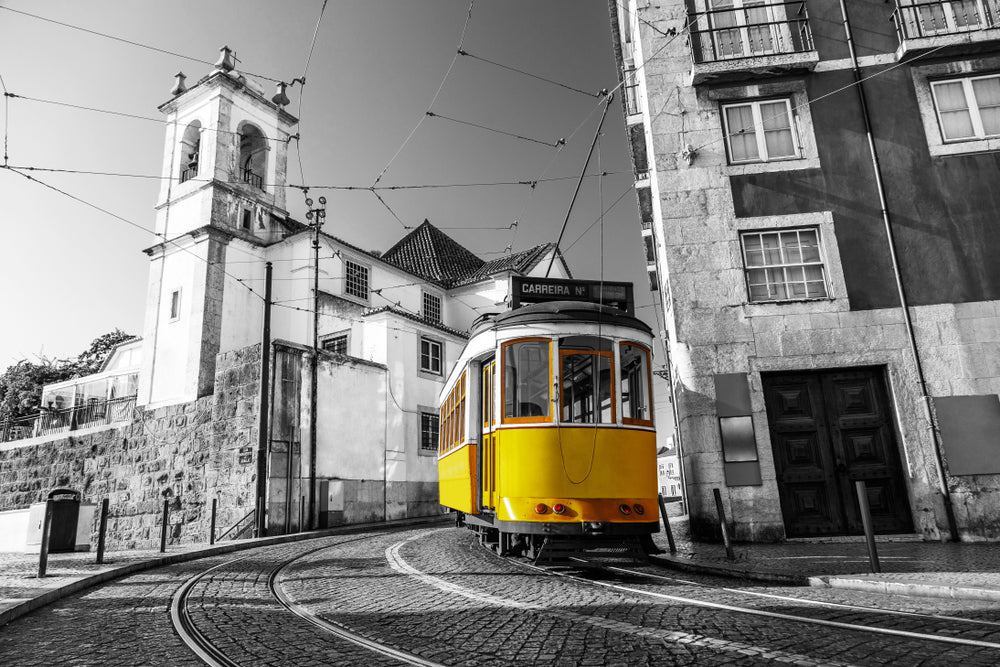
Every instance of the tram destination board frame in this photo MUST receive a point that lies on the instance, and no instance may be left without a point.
(525, 290)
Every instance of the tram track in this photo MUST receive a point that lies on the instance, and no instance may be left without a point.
(593, 566)
(199, 642)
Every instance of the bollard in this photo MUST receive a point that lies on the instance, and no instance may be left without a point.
(666, 524)
(102, 530)
(866, 519)
(163, 526)
(43, 552)
(211, 527)
(722, 524)
(302, 515)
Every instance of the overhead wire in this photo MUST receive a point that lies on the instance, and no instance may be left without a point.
(6, 118)
(550, 144)
(128, 41)
(528, 74)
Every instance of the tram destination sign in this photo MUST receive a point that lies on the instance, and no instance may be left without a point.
(525, 290)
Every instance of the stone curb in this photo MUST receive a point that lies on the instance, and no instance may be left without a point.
(735, 570)
(89, 581)
(904, 588)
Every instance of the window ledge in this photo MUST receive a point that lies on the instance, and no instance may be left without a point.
(773, 166)
(803, 307)
(430, 375)
(965, 147)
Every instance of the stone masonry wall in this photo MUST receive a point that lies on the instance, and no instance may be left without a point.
(186, 454)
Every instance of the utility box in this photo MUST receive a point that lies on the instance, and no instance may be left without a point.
(71, 523)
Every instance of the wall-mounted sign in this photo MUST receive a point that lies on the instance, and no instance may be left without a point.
(246, 455)
(526, 290)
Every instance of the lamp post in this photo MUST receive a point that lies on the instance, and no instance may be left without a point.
(315, 216)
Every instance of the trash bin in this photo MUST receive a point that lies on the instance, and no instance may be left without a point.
(65, 514)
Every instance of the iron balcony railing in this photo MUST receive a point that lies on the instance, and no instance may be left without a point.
(189, 173)
(48, 422)
(256, 180)
(763, 29)
(933, 18)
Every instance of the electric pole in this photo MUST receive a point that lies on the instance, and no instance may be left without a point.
(315, 217)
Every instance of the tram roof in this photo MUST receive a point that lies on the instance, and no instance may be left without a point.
(562, 311)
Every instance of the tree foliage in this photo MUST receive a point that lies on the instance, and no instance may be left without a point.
(21, 384)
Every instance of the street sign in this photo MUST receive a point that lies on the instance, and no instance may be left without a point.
(525, 290)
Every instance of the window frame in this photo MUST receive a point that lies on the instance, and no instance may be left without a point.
(755, 104)
(347, 280)
(174, 308)
(346, 335)
(424, 295)
(608, 354)
(975, 115)
(630, 421)
(435, 442)
(543, 419)
(420, 356)
(822, 263)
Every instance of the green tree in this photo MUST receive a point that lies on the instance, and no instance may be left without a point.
(21, 384)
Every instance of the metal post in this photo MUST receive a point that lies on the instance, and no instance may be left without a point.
(316, 217)
(211, 528)
(102, 530)
(163, 526)
(666, 524)
(723, 524)
(43, 552)
(263, 422)
(866, 519)
(302, 512)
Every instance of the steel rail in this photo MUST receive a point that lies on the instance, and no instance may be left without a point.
(750, 611)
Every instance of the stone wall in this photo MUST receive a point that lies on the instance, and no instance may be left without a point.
(186, 454)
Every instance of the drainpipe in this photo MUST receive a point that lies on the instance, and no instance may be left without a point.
(903, 303)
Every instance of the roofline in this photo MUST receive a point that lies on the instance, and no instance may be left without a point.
(417, 319)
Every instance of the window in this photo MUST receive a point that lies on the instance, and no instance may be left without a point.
(938, 17)
(175, 305)
(783, 266)
(635, 385)
(759, 131)
(526, 378)
(246, 222)
(452, 431)
(356, 280)
(430, 355)
(190, 148)
(429, 424)
(968, 108)
(432, 307)
(337, 343)
(253, 155)
(586, 371)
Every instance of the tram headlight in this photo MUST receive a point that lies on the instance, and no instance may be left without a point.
(541, 508)
(624, 509)
(559, 508)
(639, 509)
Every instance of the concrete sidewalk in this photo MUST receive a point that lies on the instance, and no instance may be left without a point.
(909, 566)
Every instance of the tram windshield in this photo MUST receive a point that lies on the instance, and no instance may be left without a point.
(585, 369)
(635, 384)
(526, 379)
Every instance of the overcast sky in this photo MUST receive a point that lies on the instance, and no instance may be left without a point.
(72, 273)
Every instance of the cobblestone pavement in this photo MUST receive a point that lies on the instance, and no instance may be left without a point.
(436, 593)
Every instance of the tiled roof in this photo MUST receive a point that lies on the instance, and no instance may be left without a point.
(416, 318)
(430, 253)
(518, 262)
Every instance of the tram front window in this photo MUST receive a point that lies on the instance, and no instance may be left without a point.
(635, 384)
(526, 379)
(587, 396)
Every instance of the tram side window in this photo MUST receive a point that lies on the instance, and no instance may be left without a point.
(452, 430)
(635, 385)
(586, 371)
(526, 379)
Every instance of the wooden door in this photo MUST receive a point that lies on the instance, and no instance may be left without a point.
(828, 430)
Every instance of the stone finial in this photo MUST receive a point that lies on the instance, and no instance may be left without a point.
(179, 86)
(225, 63)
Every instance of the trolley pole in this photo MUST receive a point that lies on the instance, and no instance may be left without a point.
(315, 217)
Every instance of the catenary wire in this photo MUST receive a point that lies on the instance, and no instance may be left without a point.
(528, 74)
(550, 144)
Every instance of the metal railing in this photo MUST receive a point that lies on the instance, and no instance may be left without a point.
(256, 180)
(769, 29)
(189, 173)
(92, 413)
(242, 528)
(933, 18)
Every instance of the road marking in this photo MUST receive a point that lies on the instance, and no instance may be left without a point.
(399, 564)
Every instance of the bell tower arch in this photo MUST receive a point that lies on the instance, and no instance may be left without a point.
(222, 197)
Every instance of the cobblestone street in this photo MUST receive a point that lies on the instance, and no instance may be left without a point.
(434, 596)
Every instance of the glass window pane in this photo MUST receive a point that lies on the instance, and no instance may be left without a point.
(957, 125)
(741, 133)
(779, 144)
(950, 96)
(526, 379)
(774, 115)
(634, 381)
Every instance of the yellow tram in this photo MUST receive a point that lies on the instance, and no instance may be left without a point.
(546, 436)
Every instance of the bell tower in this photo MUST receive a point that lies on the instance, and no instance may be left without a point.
(223, 190)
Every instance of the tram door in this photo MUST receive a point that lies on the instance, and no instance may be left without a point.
(489, 459)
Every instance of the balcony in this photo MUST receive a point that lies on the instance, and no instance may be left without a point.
(744, 42)
(946, 27)
(90, 413)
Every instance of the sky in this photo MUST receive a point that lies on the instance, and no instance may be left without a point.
(72, 272)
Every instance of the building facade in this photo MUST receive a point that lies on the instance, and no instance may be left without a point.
(818, 182)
